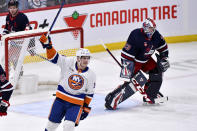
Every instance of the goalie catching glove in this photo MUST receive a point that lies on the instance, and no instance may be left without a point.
(162, 63)
(46, 42)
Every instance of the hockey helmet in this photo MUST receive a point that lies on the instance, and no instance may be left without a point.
(13, 3)
(149, 27)
(83, 52)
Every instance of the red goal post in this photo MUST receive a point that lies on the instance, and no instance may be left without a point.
(23, 37)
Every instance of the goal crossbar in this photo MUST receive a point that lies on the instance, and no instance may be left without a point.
(34, 33)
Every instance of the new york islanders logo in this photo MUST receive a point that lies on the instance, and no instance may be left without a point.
(75, 82)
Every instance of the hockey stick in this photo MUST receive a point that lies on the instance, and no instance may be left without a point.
(56, 17)
(42, 57)
(139, 88)
(33, 53)
(62, 4)
(111, 54)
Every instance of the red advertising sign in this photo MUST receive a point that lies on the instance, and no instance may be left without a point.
(76, 20)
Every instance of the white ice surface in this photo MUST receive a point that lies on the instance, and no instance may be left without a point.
(29, 112)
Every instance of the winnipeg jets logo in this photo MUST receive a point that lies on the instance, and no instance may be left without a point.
(75, 82)
(149, 51)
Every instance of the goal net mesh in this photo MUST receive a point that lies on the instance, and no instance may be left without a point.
(25, 55)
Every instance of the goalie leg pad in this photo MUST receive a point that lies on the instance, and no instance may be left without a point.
(139, 79)
(119, 95)
(154, 84)
(111, 96)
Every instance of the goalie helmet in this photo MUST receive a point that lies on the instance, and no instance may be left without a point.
(149, 27)
(13, 3)
(83, 52)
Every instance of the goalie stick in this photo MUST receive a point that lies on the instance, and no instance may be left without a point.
(161, 99)
(111, 54)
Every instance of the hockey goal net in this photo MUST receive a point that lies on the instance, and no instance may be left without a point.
(24, 54)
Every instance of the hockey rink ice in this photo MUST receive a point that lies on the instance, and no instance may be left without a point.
(29, 112)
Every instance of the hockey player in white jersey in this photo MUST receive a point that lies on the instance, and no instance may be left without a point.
(75, 89)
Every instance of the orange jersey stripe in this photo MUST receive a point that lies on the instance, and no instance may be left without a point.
(69, 99)
(79, 115)
(86, 109)
(51, 53)
(51, 109)
(87, 100)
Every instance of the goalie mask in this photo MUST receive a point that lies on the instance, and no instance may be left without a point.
(83, 57)
(149, 27)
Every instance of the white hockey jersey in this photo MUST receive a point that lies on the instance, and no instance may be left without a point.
(74, 86)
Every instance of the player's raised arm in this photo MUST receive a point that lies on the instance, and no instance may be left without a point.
(46, 43)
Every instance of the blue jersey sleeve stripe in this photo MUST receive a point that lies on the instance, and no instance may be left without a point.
(54, 60)
(90, 95)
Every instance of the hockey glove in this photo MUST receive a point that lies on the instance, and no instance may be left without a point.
(86, 111)
(163, 63)
(3, 107)
(46, 42)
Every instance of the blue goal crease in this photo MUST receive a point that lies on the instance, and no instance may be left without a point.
(42, 108)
